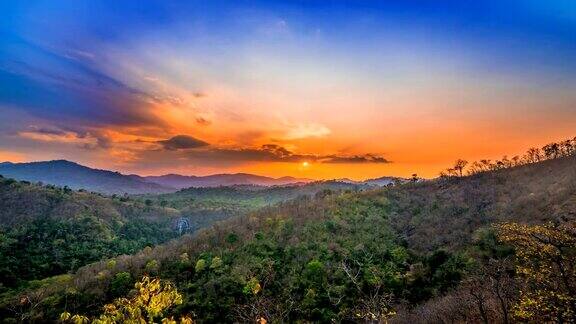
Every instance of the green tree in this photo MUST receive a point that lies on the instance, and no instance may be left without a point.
(154, 297)
(546, 266)
(120, 284)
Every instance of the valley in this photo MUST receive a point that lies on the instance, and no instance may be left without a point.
(317, 251)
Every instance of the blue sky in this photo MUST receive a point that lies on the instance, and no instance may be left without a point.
(104, 82)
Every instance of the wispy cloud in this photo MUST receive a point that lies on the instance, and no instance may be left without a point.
(306, 130)
(82, 138)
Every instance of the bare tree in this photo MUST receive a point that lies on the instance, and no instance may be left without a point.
(261, 307)
(459, 167)
(533, 155)
(551, 151)
(28, 303)
(374, 304)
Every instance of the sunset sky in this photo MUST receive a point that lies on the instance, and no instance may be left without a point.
(356, 89)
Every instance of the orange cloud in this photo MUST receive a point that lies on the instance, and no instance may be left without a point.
(306, 130)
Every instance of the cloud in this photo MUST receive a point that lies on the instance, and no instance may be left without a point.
(202, 121)
(306, 130)
(366, 158)
(76, 94)
(86, 139)
(182, 142)
(276, 150)
(215, 157)
(49, 131)
(79, 92)
(267, 153)
(274, 153)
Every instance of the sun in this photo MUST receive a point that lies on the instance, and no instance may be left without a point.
(305, 164)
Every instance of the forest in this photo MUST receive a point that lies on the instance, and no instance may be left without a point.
(47, 230)
(495, 245)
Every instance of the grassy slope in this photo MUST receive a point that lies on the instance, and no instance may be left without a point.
(446, 213)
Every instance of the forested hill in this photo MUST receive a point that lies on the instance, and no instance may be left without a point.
(341, 256)
(22, 201)
(47, 230)
(245, 197)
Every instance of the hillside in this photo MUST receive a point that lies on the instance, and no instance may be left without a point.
(203, 206)
(344, 256)
(445, 213)
(46, 230)
(247, 197)
(76, 176)
(22, 202)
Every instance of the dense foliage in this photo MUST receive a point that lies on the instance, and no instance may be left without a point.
(526, 274)
(546, 267)
(46, 247)
(346, 265)
(47, 230)
(204, 206)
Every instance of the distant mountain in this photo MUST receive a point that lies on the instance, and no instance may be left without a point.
(346, 180)
(218, 180)
(384, 181)
(76, 176)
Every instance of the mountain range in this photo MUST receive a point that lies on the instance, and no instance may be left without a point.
(76, 176)
(180, 181)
